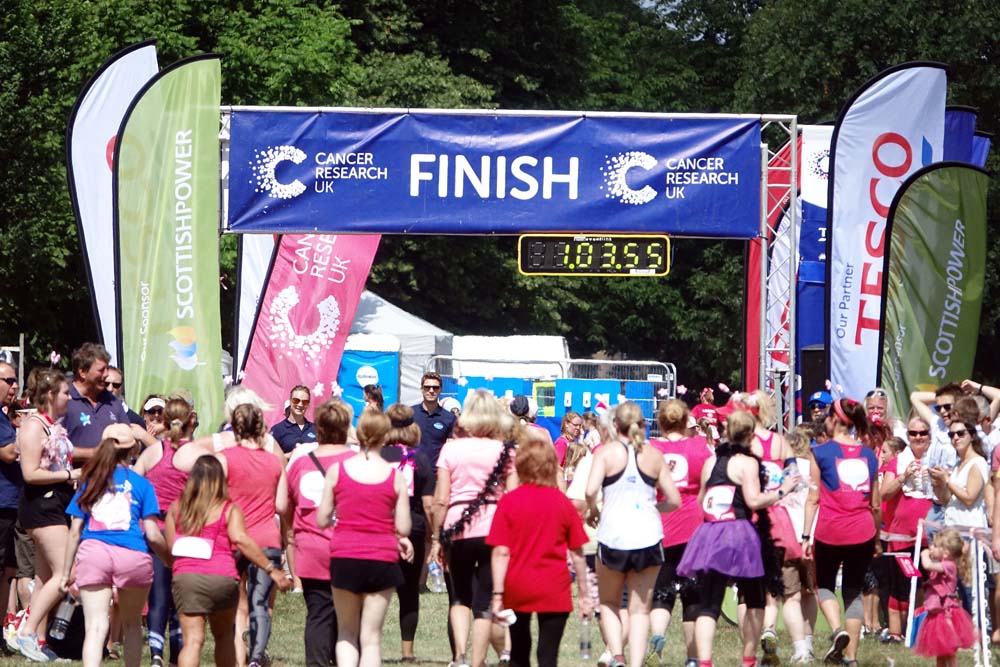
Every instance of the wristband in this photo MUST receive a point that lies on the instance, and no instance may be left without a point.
(69, 476)
(496, 593)
(781, 494)
(806, 538)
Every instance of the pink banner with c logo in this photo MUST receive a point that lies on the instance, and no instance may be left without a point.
(305, 316)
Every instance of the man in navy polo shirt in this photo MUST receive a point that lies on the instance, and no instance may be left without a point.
(92, 407)
(11, 481)
(435, 422)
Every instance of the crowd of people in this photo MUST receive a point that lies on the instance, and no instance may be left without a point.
(140, 522)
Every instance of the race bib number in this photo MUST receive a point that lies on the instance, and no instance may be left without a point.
(678, 467)
(718, 503)
(311, 486)
(774, 475)
(112, 512)
(853, 474)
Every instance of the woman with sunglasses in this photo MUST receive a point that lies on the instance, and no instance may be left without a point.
(569, 432)
(962, 490)
(906, 481)
(845, 491)
(152, 413)
(295, 429)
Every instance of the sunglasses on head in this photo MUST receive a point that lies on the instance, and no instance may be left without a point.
(960, 433)
(876, 392)
(431, 387)
(918, 434)
(10, 381)
(300, 401)
(116, 385)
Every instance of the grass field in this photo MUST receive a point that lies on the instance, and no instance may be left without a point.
(286, 646)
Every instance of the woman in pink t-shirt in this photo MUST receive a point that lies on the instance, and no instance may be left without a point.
(845, 491)
(685, 457)
(256, 480)
(473, 473)
(203, 528)
(372, 508)
(306, 477)
(569, 432)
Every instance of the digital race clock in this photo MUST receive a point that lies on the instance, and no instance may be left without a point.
(593, 255)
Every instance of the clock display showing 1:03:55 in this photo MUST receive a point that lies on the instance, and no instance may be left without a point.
(626, 255)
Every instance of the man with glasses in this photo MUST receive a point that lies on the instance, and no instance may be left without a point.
(115, 383)
(936, 409)
(11, 481)
(436, 423)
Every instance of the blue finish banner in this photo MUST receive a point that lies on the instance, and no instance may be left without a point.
(454, 173)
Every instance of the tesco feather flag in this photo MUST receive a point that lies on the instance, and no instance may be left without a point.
(893, 126)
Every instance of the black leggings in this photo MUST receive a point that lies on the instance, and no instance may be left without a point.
(713, 591)
(409, 592)
(550, 631)
(470, 579)
(855, 558)
(665, 592)
(321, 622)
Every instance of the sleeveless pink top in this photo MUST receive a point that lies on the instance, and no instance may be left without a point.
(253, 483)
(366, 526)
(222, 563)
(167, 480)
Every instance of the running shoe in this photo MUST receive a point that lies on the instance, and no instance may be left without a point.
(838, 642)
(617, 661)
(803, 658)
(604, 660)
(157, 661)
(654, 652)
(504, 659)
(29, 648)
(769, 645)
(691, 662)
(52, 655)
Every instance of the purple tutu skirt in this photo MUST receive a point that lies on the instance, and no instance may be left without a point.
(728, 547)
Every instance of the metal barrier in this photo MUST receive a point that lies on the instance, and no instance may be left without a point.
(644, 382)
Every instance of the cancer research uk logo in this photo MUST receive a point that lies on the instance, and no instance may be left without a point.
(263, 165)
(313, 346)
(681, 173)
(185, 346)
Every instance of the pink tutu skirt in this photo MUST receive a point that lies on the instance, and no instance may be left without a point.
(944, 632)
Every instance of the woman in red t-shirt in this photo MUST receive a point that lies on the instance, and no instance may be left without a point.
(534, 526)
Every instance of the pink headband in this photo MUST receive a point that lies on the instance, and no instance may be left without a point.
(839, 410)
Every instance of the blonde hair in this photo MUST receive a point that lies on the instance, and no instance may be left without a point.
(739, 427)
(673, 416)
(762, 406)
(372, 428)
(484, 417)
(951, 541)
(630, 422)
(800, 441)
(240, 395)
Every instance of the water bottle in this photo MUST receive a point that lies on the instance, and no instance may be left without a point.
(585, 638)
(60, 624)
(793, 469)
(436, 576)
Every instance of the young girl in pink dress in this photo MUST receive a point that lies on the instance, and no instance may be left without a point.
(947, 627)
